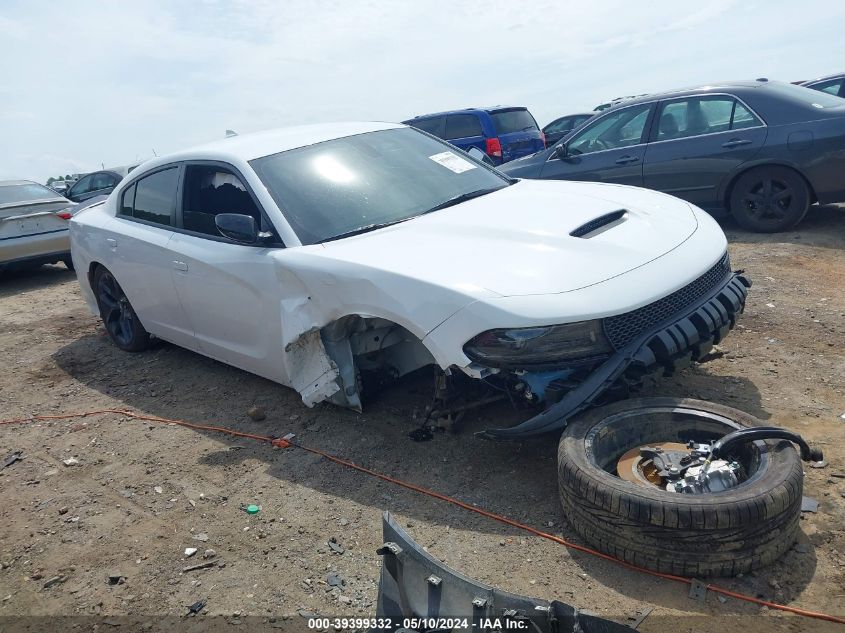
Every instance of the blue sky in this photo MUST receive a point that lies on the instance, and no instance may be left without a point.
(89, 83)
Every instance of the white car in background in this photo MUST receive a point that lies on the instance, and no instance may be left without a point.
(318, 256)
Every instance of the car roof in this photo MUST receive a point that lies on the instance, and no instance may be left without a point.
(487, 109)
(563, 116)
(825, 78)
(246, 147)
(720, 86)
(12, 183)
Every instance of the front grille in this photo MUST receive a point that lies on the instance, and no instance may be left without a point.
(621, 329)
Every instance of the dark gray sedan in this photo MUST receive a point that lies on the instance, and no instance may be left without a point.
(764, 150)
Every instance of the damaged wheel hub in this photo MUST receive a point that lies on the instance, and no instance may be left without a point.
(686, 468)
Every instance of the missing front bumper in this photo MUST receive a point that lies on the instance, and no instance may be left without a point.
(674, 340)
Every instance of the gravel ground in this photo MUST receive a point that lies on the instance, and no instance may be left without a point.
(141, 493)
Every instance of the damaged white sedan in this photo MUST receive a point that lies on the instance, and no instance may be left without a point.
(323, 256)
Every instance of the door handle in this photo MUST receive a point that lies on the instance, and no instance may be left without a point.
(180, 266)
(622, 160)
(111, 242)
(736, 142)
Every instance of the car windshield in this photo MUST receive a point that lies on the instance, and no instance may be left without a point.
(26, 192)
(508, 121)
(807, 96)
(358, 183)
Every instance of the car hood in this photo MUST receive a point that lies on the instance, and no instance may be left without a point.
(517, 241)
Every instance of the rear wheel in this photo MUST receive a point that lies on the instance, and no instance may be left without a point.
(122, 324)
(769, 199)
(68, 262)
(614, 498)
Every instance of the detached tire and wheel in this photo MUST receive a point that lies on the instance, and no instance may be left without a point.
(769, 199)
(122, 324)
(711, 534)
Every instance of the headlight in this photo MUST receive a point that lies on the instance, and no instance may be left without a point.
(538, 345)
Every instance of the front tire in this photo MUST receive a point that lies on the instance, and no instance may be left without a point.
(769, 199)
(710, 534)
(122, 324)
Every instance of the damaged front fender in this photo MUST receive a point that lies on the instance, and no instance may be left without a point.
(416, 589)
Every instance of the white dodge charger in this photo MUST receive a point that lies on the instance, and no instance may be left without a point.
(319, 256)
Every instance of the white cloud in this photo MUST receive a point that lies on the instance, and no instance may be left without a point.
(111, 82)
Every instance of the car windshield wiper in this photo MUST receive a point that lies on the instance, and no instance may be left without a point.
(365, 229)
(469, 195)
(380, 225)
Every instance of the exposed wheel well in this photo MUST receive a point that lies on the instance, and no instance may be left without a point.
(729, 189)
(365, 344)
(92, 270)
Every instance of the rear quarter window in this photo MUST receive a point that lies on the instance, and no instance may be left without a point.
(433, 125)
(463, 126)
(508, 121)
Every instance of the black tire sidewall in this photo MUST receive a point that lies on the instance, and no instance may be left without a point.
(710, 534)
(746, 181)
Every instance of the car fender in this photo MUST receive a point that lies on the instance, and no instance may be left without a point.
(323, 331)
(729, 179)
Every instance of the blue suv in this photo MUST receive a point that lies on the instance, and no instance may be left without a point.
(503, 133)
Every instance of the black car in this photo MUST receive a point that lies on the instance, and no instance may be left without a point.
(98, 183)
(832, 84)
(764, 150)
(562, 126)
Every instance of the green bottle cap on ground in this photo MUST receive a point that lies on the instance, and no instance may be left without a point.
(252, 509)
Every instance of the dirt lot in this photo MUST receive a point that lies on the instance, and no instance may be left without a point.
(141, 492)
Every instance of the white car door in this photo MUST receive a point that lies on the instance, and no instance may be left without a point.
(140, 257)
(229, 290)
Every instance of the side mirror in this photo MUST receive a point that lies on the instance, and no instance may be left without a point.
(561, 151)
(478, 155)
(237, 226)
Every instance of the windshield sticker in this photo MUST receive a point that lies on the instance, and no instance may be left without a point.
(453, 162)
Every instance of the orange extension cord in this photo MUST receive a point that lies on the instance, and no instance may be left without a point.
(282, 443)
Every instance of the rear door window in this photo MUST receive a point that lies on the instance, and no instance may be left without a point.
(102, 181)
(435, 125)
(509, 121)
(83, 185)
(154, 197)
(702, 115)
(462, 126)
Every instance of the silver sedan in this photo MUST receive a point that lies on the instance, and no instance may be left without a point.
(33, 225)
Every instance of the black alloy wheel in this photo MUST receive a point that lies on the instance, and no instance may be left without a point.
(122, 324)
(769, 199)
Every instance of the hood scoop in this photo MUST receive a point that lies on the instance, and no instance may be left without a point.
(596, 223)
